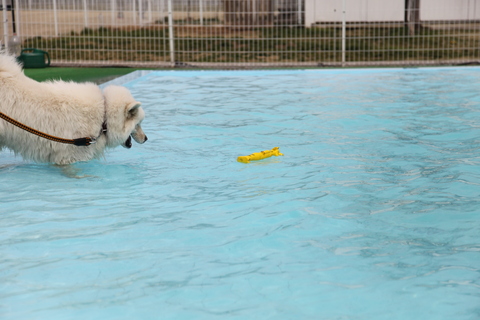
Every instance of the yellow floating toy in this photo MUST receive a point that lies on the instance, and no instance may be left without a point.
(260, 155)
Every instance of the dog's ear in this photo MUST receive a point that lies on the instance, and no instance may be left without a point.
(132, 109)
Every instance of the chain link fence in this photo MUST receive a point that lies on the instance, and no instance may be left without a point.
(245, 33)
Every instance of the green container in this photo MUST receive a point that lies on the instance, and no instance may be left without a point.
(34, 58)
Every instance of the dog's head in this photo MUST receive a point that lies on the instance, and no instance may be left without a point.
(124, 116)
(134, 117)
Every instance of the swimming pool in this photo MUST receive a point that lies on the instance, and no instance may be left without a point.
(372, 212)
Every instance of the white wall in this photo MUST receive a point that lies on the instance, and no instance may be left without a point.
(449, 10)
(389, 10)
(356, 10)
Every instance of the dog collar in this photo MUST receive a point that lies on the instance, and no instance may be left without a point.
(104, 127)
(104, 124)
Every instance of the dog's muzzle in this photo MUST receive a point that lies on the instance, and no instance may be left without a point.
(138, 135)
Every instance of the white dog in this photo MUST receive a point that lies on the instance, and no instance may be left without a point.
(66, 110)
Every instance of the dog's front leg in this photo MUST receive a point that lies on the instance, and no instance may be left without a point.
(70, 171)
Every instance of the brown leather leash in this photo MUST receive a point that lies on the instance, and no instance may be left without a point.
(78, 142)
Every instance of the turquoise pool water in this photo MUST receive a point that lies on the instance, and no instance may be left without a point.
(373, 212)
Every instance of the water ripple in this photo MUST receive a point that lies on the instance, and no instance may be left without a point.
(372, 212)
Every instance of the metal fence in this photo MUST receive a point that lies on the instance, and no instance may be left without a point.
(245, 33)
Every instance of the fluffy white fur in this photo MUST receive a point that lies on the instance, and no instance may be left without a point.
(67, 110)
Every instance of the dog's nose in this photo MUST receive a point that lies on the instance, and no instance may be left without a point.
(145, 139)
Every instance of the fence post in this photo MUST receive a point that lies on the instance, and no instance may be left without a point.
(112, 13)
(201, 11)
(134, 9)
(55, 17)
(170, 31)
(149, 5)
(299, 12)
(5, 23)
(85, 13)
(17, 18)
(140, 12)
(253, 21)
(344, 29)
